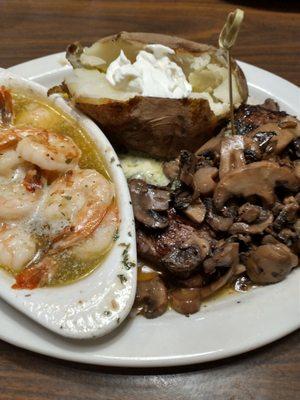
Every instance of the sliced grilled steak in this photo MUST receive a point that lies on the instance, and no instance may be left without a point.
(179, 249)
(249, 117)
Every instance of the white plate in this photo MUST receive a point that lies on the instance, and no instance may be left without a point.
(97, 304)
(225, 327)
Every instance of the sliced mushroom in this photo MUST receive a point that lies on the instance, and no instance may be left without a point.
(228, 256)
(196, 211)
(208, 159)
(249, 212)
(187, 166)
(259, 178)
(182, 199)
(215, 221)
(287, 236)
(270, 263)
(256, 228)
(203, 241)
(244, 241)
(269, 239)
(287, 215)
(224, 256)
(213, 144)
(203, 180)
(271, 105)
(151, 297)
(149, 203)
(232, 154)
(186, 300)
(218, 223)
(194, 281)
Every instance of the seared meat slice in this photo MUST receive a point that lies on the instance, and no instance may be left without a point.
(249, 117)
(179, 249)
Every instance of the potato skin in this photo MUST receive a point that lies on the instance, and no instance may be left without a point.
(159, 127)
(141, 39)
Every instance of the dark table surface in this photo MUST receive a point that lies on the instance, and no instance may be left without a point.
(270, 39)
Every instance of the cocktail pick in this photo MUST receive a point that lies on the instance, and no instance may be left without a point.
(227, 40)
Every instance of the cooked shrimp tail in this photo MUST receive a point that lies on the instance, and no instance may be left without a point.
(33, 180)
(36, 275)
(6, 106)
(91, 194)
(71, 235)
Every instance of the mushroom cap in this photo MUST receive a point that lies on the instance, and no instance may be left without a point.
(258, 178)
(149, 202)
(186, 300)
(203, 180)
(196, 211)
(252, 229)
(270, 263)
(152, 297)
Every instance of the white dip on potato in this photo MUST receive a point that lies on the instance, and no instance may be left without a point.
(153, 74)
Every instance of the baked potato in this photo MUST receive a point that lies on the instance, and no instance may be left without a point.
(157, 126)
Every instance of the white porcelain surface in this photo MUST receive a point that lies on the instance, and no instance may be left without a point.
(225, 327)
(98, 303)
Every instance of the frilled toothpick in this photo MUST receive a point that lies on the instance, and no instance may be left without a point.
(227, 40)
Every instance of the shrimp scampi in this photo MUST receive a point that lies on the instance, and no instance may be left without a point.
(58, 215)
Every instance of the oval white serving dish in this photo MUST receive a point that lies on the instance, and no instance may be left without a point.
(98, 303)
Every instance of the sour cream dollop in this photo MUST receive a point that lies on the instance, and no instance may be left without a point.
(153, 74)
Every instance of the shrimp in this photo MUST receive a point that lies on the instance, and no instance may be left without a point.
(41, 274)
(9, 161)
(19, 195)
(6, 106)
(48, 150)
(75, 205)
(36, 275)
(10, 137)
(100, 241)
(17, 247)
